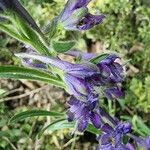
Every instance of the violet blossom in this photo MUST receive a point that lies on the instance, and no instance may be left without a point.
(111, 139)
(74, 75)
(75, 16)
(84, 112)
(111, 73)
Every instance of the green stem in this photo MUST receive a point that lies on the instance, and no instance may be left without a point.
(74, 141)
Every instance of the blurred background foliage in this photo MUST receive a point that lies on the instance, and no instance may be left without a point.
(126, 30)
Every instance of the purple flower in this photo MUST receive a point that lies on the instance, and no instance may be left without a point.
(84, 112)
(75, 16)
(142, 142)
(111, 71)
(74, 75)
(113, 93)
(112, 138)
(145, 143)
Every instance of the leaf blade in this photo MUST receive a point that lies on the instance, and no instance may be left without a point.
(33, 113)
(15, 72)
(61, 46)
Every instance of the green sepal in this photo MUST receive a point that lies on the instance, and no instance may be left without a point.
(99, 58)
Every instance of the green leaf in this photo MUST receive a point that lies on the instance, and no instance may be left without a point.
(139, 126)
(15, 72)
(57, 125)
(122, 103)
(62, 46)
(51, 28)
(98, 58)
(93, 130)
(64, 124)
(2, 92)
(4, 134)
(33, 113)
(12, 32)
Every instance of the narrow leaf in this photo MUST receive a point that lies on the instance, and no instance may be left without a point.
(4, 134)
(2, 92)
(57, 125)
(99, 58)
(93, 130)
(61, 46)
(64, 124)
(33, 113)
(15, 72)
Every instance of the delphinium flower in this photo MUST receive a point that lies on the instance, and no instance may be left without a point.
(75, 16)
(74, 75)
(141, 142)
(84, 112)
(111, 139)
(111, 73)
(144, 143)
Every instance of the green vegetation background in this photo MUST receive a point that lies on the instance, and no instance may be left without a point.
(126, 30)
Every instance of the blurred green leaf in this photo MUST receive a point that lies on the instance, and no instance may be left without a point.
(62, 46)
(2, 92)
(15, 72)
(122, 103)
(57, 125)
(99, 58)
(33, 113)
(4, 134)
(64, 124)
(92, 129)
(140, 126)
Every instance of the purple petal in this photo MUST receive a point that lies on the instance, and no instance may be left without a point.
(95, 119)
(92, 100)
(105, 147)
(113, 93)
(91, 105)
(124, 127)
(107, 128)
(82, 124)
(70, 116)
(71, 6)
(104, 70)
(76, 86)
(89, 21)
(109, 59)
(129, 147)
(144, 143)
(117, 72)
(104, 139)
(73, 101)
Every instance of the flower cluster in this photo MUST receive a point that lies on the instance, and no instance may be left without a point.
(84, 112)
(89, 80)
(112, 137)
